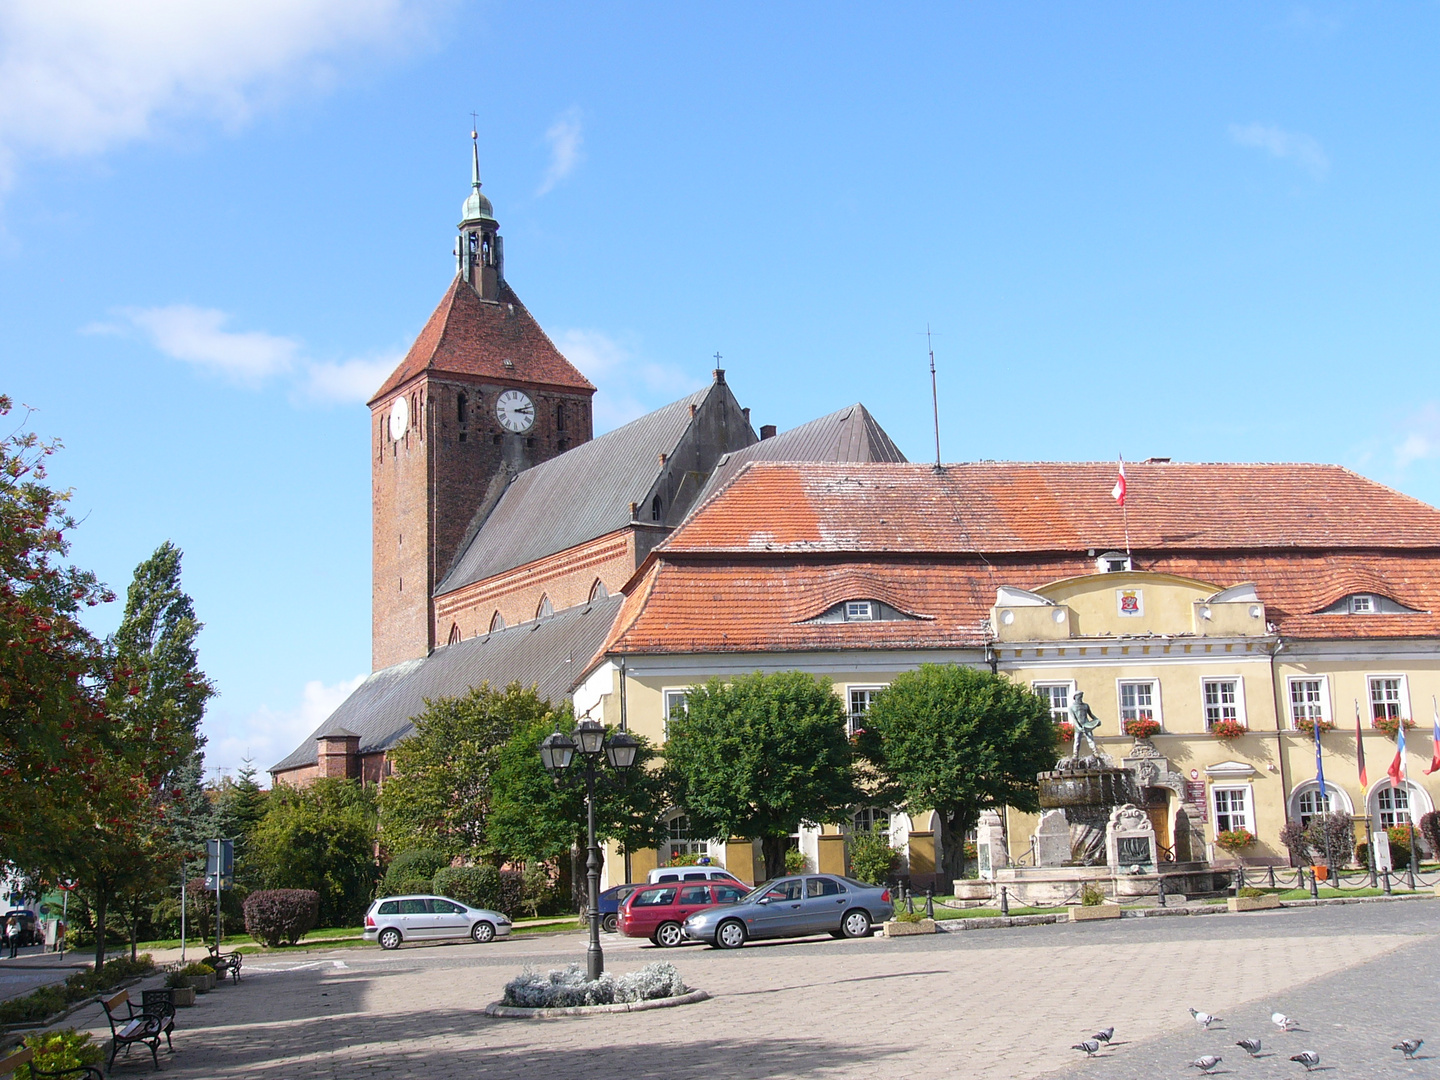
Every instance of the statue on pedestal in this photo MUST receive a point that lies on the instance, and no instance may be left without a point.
(1084, 720)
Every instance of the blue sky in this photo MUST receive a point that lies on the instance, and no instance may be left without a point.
(1204, 232)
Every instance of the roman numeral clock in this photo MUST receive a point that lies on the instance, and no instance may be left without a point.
(515, 411)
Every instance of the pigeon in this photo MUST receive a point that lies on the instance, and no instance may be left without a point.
(1308, 1058)
(1206, 1063)
(1409, 1047)
(1204, 1019)
(1250, 1046)
(1090, 1046)
(1106, 1034)
(1283, 1022)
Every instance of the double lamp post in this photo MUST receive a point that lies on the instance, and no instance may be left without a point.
(590, 744)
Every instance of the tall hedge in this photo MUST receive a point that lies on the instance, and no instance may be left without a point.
(411, 871)
(481, 886)
(281, 916)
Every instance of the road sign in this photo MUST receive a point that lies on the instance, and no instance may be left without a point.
(219, 860)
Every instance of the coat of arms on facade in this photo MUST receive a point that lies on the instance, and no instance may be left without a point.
(1130, 601)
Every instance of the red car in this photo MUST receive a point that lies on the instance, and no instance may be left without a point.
(657, 911)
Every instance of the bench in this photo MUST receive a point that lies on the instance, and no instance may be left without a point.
(160, 1003)
(27, 1057)
(134, 1026)
(229, 962)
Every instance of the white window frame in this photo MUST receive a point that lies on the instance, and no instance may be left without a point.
(1363, 604)
(1247, 812)
(870, 813)
(1324, 702)
(1155, 713)
(669, 698)
(1068, 685)
(1209, 680)
(1402, 703)
(853, 718)
(859, 611)
(1339, 800)
(1104, 564)
(692, 846)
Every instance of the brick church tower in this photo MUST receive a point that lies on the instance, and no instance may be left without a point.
(481, 395)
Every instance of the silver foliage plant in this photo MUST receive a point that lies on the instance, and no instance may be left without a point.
(567, 988)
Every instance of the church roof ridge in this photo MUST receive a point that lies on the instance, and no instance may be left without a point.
(466, 335)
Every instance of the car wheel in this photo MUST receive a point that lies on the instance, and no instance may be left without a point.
(730, 934)
(482, 932)
(855, 924)
(390, 939)
(610, 923)
(668, 935)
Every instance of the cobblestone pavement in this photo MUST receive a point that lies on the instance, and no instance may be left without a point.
(1002, 1003)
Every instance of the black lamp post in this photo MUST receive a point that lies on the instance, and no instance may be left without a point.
(557, 752)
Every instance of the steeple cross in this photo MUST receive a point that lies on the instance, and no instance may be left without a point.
(717, 356)
(474, 125)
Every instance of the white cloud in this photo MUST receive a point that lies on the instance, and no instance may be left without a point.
(1421, 440)
(201, 336)
(198, 336)
(628, 386)
(1295, 146)
(267, 735)
(80, 77)
(349, 380)
(565, 153)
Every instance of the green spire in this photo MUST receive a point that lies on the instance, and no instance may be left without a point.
(477, 207)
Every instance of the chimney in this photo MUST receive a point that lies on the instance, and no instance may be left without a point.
(634, 511)
(745, 412)
(720, 376)
(767, 431)
(693, 409)
(662, 460)
(1157, 461)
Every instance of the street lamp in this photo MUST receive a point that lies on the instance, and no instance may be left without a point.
(590, 745)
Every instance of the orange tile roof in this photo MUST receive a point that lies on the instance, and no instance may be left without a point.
(469, 336)
(1051, 506)
(786, 541)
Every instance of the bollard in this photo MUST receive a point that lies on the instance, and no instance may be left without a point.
(1004, 902)
(910, 901)
(1410, 877)
(1386, 875)
(1162, 890)
(929, 902)
(1272, 875)
(1314, 885)
(1239, 876)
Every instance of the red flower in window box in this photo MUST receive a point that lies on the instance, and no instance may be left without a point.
(1390, 725)
(1307, 725)
(1066, 729)
(1235, 839)
(1141, 729)
(1228, 729)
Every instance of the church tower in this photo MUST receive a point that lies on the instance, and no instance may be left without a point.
(482, 394)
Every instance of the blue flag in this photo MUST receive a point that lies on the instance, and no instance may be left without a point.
(1320, 769)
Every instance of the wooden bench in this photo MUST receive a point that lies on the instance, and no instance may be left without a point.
(27, 1057)
(229, 962)
(135, 1026)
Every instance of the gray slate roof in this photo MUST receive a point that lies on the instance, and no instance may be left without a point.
(580, 495)
(547, 653)
(849, 434)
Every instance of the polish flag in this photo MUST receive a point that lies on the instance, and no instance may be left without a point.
(1118, 491)
(1396, 772)
(1434, 742)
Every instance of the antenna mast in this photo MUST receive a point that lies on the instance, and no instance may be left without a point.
(934, 394)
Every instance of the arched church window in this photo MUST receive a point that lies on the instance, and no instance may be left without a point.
(497, 622)
(545, 609)
(655, 508)
(454, 634)
(598, 590)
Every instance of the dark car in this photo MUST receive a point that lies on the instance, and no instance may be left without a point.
(610, 901)
(656, 911)
(30, 932)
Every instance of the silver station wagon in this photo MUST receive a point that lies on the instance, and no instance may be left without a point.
(794, 907)
(393, 919)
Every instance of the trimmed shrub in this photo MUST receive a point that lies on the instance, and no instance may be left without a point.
(1091, 895)
(568, 988)
(1295, 841)
(482, 886)
(417, 864)
(1400, 839)
(47, 1001)
(795, 862)
(281, 916)
(57, 1051)
(1331, 837)
(872, 859)
(1430, 830)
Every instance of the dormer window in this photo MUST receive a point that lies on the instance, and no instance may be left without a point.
(859, 611)
(1362, 604)
(1113, 562)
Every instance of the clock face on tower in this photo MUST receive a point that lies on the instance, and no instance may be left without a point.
(399, 417)
(515, 411)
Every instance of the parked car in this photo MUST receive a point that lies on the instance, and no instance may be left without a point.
(394, 919)
(662, 874)
(610, 901)
(794, 907)
(657, 911)
(30, 932)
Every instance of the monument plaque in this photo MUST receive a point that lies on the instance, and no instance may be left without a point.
(1052, 839)
(1130, 840)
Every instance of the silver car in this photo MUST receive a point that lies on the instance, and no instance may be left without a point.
(393, 919)
(794, 907)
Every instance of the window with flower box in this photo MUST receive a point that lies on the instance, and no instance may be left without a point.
(1309, 700)
(1139, 701)
(1388, 699)
(1057, 696)
(1232, 808)
(1224, 701)
(861, 698)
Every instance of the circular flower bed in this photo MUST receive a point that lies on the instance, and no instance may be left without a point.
(567, 988)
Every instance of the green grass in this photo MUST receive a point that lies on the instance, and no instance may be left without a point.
(546, 926)
(984, 913)
(1330, 894)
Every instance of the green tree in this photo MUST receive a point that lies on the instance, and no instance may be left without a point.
(239, 809)
(958, 741)
(440, 795)
(321, 837)
(759, 755)
(535, 817)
